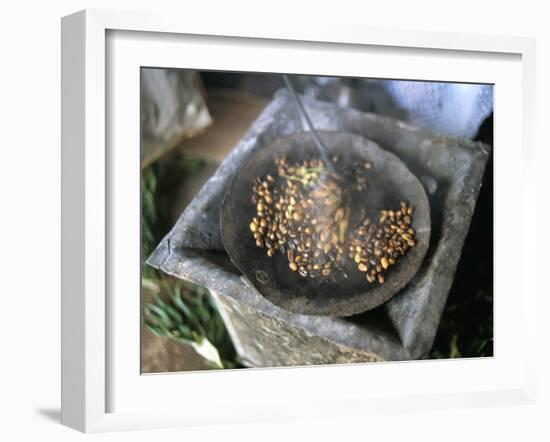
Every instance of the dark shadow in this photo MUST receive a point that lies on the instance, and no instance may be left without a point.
(51, 414)
(376, 319)
(467, 322)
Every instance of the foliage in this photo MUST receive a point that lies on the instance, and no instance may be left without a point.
(466, 328)
(190, 316)
(149, 217)
(181, 311)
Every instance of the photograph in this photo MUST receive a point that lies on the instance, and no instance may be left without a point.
(301, 220)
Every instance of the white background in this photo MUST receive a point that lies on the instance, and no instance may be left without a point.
(30, 220)
(269, 389)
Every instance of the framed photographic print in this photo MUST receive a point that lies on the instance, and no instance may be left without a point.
(290, 223)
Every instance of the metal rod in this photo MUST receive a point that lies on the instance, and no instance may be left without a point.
(319, 144)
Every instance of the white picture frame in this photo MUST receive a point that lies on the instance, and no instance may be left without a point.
(93, 364)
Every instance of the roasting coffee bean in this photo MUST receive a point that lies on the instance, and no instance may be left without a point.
(301, 215)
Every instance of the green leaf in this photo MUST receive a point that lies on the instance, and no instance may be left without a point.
(161, 315)
(177, 291)
(156, 330)
(202, 310)
(454, 351)
(185, 331)
(190, 316)
(171, 311)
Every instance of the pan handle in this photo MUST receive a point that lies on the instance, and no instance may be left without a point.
(323, 151)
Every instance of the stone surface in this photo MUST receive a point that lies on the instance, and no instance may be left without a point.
(172, 109)
(404, 327)
(285, 349)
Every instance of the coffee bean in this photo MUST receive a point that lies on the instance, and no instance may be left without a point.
(301, 214)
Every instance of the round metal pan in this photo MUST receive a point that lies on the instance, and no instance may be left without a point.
(390, 181)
